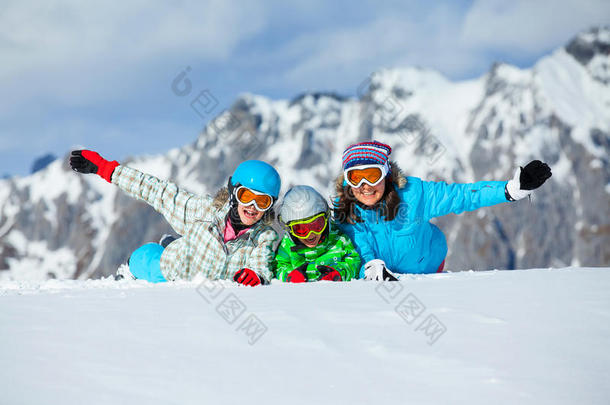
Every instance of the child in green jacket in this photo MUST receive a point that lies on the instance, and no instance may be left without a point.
(311, 250)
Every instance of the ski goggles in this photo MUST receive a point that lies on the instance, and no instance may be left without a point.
(303, 228)
(247, 197)
(369, 174)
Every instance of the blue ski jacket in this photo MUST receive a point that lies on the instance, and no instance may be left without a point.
(410, 243)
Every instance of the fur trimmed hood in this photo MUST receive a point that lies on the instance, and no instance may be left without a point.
(221, 198)
(398, 178)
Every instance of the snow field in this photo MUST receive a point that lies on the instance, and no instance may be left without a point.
(503, 337)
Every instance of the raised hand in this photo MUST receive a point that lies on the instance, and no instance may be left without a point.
(534, 174)
(87, 161)
(526, 179)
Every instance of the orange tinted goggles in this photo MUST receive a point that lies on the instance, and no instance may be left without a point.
(371, 175)
(261, 201)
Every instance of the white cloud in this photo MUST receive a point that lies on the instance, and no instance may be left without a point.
(54, 43)
(57, 31)
(72, 69)
(456, 40)
(528, 26)
(396, 38)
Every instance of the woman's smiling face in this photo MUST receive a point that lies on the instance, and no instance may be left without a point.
(369, 195)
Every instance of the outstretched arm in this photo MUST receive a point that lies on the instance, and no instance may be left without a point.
(441, 198)
(179, 207)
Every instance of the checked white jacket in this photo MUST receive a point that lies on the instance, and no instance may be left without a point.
(201, 222)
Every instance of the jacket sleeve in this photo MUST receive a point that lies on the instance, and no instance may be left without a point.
(179, 207)
(361, 243)
(349, 268)
(283, 262)
(441, 198)
(261, 257)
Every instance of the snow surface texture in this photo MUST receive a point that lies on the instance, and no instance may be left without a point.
(557, 111)
(496, 337)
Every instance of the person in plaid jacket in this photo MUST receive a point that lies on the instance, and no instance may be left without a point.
(311, 250)
(228, 236)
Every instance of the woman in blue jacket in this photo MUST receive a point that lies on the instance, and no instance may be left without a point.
(387, 214)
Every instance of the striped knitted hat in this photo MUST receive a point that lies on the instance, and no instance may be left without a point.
(367, 153)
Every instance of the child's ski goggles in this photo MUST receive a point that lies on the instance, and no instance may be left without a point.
(303, 228)
(369, 174)
(247, 196)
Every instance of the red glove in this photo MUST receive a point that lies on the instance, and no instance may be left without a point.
(298, 275)
(247, 277)
(328, 273)
(87, 161)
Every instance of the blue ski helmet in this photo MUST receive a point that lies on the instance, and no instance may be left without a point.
(259, 176)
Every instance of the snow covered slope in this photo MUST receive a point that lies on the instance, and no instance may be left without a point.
(502, 337)
(57, 224)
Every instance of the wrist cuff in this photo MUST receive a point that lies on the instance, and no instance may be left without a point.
(514, 191)
(105, 171)
(507, 194)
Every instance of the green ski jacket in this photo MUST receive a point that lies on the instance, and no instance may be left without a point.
(336, 251)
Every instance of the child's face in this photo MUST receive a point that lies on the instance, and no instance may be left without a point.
(369, 195)
(249, 215)
(312, 241)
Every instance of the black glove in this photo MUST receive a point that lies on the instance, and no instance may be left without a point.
(78, 163)
(526, 179)
(534, 174)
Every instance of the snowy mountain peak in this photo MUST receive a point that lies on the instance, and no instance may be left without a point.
(592, 49)
(588, 44)
(503, 76)
(403, 82)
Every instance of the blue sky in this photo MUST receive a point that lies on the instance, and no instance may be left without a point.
(99, 74)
